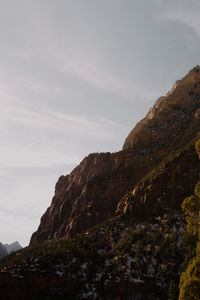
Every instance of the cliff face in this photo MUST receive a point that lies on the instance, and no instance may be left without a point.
(91, 193)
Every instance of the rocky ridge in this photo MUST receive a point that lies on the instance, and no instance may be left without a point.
(15, 246)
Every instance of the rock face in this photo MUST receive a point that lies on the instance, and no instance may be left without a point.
(90, 194)
(93, 190)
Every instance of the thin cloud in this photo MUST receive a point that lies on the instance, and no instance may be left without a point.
(92, 73)
(45, 117)
(185, 15)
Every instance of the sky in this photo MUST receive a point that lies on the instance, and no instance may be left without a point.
(76, 76)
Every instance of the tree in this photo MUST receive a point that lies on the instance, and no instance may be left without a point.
(190, 279)
(172, 291)
(139, 251)
(191, 208)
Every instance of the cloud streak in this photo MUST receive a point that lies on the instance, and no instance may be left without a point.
(187, 15)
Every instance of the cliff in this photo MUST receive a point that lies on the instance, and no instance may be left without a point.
(94, 190)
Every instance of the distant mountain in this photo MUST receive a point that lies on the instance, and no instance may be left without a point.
(6, 249)
(3, 251)
(13, 247)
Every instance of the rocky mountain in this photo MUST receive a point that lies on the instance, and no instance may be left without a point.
(91, 193)
(6, 249)
(115, 228)
(3, 251)
(13, 247)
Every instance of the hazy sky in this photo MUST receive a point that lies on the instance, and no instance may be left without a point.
(76, 76)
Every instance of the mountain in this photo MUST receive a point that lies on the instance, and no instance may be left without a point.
(115, 228)
(91, 193)
(13, 247)
(3, 251)
(6, 249)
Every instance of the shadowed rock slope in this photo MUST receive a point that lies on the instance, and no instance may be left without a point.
(93, 191)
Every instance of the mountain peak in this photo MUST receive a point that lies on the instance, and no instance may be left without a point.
(15, 246)
(170, 116)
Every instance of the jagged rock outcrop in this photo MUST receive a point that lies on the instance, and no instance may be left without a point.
(91, 193)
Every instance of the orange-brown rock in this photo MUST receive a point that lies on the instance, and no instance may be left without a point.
(91, 193)
(173, 120)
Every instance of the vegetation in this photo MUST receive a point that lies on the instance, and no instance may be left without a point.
(190, 279)
(114, 257)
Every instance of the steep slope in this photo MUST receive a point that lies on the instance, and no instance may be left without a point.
(115, 261)
(164, 188)
(172, 121)
(91, 193)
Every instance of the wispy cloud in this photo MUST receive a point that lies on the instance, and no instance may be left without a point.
(98, 73)
(40, 135)
(185, 14)
(92, 73)
(46, 118)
